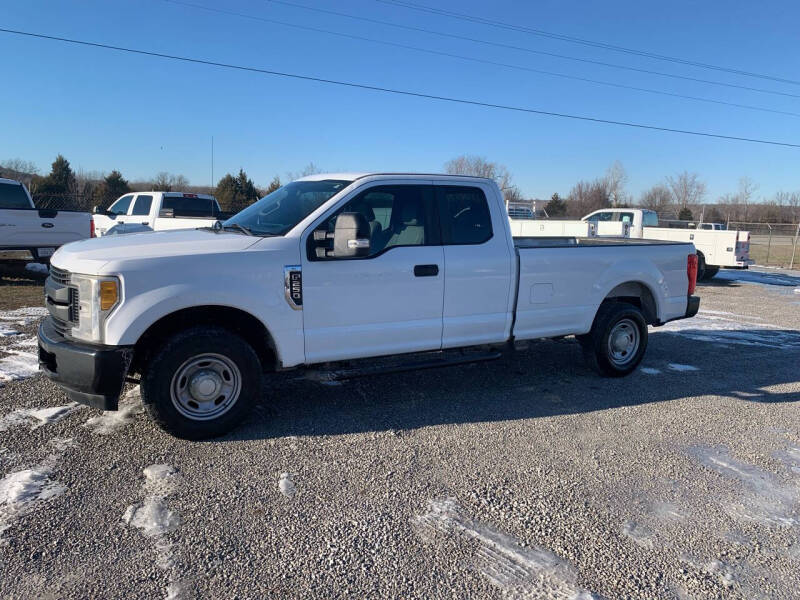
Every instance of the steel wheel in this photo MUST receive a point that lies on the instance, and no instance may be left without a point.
(623, 342)
(205, 387)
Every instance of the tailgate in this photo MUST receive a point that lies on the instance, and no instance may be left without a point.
(42, 228)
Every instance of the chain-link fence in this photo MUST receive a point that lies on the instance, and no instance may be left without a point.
(773, 244)
(82, 202)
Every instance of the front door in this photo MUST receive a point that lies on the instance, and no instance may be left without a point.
(388, 302)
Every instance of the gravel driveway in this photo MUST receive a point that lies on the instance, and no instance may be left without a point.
(528, 477)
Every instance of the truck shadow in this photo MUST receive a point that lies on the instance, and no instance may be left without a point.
(547, 380)
(733, 278)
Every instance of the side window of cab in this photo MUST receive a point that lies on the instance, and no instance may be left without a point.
(391, 216)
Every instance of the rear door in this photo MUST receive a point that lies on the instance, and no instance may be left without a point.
(388, 302)
(478, 267)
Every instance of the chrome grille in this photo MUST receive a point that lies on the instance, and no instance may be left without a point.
(59, 275)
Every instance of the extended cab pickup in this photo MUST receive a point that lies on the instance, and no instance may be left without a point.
(157, 211)
(334, 268)
(38, 230)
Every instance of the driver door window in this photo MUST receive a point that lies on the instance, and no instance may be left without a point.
(120, 207)
(401, 215)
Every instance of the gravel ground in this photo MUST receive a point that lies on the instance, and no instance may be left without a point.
(528, 477)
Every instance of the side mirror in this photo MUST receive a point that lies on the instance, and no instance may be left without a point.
(351, 236)
(96, 210)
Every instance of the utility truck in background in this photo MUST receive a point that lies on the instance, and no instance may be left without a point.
(716, 248)
(157, 211)
(38, 230)
(355, 274)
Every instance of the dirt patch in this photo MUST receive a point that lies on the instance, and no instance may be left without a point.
(19, 287)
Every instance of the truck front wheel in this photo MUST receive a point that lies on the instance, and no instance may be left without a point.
(617, 341)
(201, 383)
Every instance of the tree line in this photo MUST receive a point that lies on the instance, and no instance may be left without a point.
(63, 188)
(681, 196)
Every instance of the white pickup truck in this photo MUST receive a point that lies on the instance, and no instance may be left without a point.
(341, 267)
(157, 211)
(716, 248)
(38, 230)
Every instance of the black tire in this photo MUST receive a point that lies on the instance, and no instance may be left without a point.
(619, 318)
(709, 273)
(203, 349)
(701, 266)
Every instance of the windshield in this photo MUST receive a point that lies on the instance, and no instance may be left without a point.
(280, 211)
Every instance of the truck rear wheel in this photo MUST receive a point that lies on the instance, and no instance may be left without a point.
(201, 383)
(709, 273)
(617, 341)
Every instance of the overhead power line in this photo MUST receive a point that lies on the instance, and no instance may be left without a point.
(582, 41)
(399, 92)
(530, 50)
(479, 60)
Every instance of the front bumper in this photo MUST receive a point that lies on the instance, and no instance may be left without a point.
(92, 375)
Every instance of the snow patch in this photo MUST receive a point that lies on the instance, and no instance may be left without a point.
(649, 371)
(640, 534)
(6, 332)
(35, 267)
(25, 490)
(109, 421)
(25, 315)
(680, 367)
(286, 485)
(156, 520)
(763, 499)
(754, 276)
(37, 417)
(19, 365)
(717, 327)
(521, 572)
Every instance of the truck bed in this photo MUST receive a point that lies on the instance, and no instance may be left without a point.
(559, 291)
(567, 242)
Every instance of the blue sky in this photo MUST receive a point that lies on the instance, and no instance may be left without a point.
(104, 110)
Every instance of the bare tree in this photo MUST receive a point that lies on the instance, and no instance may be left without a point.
(657, 198)
(167, 182)
(744, 197)
(616, 178)
(309, 169)
(588, 196)
(687, 189)
(18, 169)
(479, 166)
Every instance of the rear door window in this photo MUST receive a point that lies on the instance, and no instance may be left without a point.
(142, 205)
(464, 215)
(625, 217)
(13, 196)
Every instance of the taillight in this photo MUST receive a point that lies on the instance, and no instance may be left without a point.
(691, 272)
(91, 228)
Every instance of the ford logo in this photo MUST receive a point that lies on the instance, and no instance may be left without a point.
(47, 225)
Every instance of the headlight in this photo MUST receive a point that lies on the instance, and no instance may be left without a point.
(97, 298)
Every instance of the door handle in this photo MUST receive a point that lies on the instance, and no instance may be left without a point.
(426, 270)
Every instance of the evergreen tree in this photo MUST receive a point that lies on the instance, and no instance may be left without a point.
(235, 192)
(685, 214)
(556, 207)
(53, 190)
(112, 187)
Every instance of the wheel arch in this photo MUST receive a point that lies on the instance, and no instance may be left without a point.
(640, 295)
(235, 320)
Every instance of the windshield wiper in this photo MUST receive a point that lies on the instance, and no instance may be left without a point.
(241, 228)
